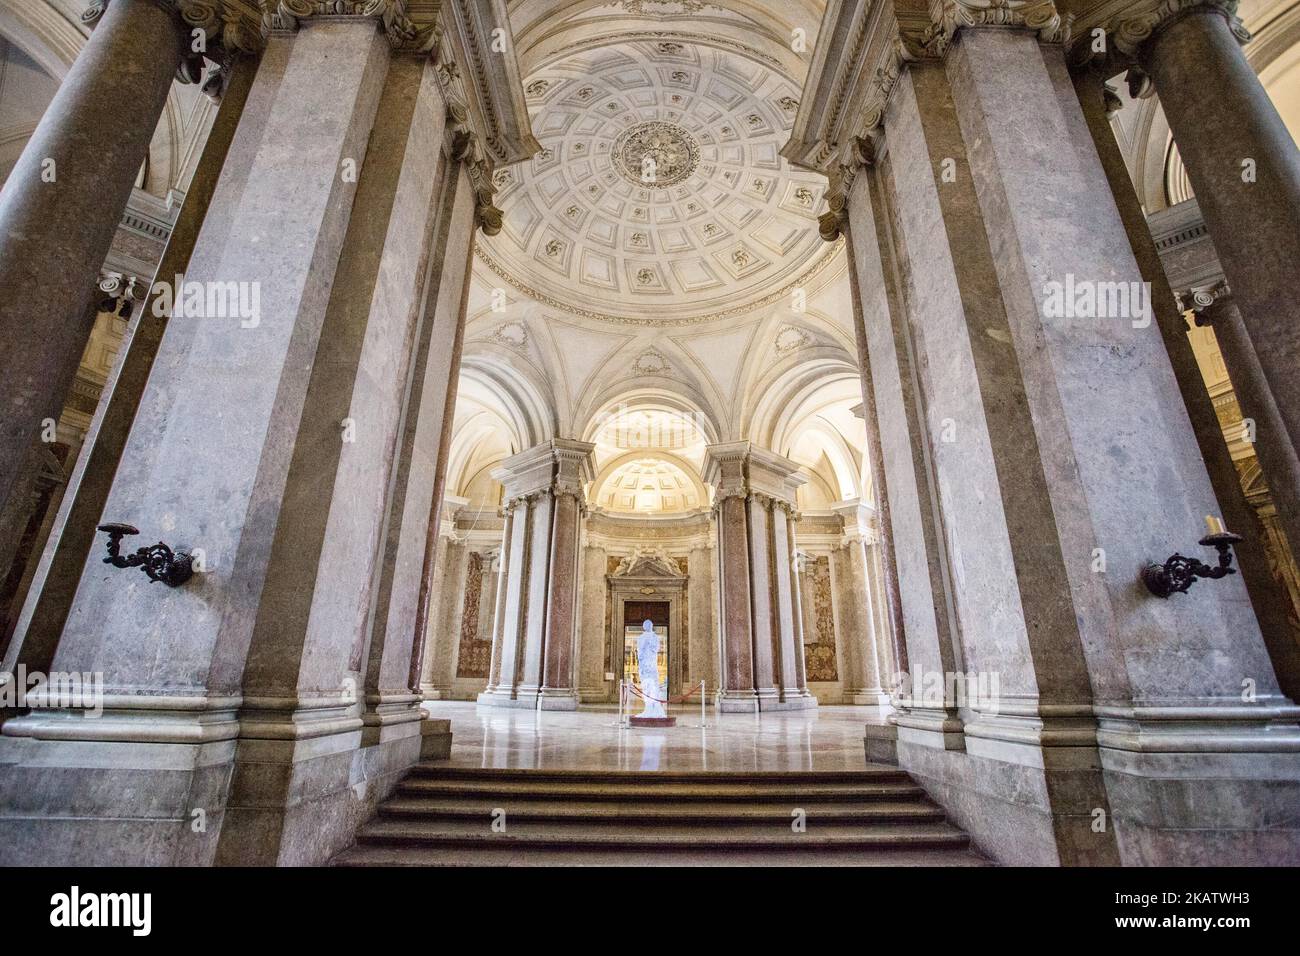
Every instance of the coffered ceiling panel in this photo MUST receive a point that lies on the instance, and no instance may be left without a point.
(659, 193)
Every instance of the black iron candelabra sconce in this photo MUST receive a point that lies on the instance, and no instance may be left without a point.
(1179, 573)
(159, 562)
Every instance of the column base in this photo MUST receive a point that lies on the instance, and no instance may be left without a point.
(490, 698)
(128, 788)
(388, 710)
(300, 788)
(871, 697)
(557, 698)
(805, 701)
(737, 702)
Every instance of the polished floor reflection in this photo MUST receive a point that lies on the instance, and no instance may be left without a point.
(829, 738)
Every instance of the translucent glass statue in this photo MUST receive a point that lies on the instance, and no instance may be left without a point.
(647, 655)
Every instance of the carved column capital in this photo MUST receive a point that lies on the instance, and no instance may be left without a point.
(467, 149)
(411, 26)
(218, 29)
(949, 17)
(858, 152)
(1205, 302)
(1127, 30)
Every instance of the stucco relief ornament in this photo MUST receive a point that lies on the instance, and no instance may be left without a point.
(949, 16)
(655, 153)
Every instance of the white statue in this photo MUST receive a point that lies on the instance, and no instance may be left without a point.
(647, 654)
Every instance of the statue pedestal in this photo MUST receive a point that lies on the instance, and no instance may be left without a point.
(653, 721)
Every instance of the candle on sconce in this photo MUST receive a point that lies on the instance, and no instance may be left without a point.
(1214, 524)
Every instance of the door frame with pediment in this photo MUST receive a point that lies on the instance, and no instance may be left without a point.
(647, 576)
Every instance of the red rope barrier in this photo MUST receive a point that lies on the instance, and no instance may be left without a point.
(672, 700)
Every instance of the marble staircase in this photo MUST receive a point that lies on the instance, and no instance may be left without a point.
(444, 816)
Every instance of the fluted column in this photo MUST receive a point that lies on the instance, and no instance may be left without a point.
(1245, 169)
(60, 208)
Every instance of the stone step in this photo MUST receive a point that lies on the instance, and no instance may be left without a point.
(380, 855)
(868, 774)
(639, 811)
(442, 816)
(788, 793)
(651, 836)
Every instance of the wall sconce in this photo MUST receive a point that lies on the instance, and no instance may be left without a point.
(1179, 573)
(158, 561)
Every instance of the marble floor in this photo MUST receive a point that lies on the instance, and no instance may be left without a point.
(829, 738)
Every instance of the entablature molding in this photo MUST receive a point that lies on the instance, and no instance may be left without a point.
(469, 40)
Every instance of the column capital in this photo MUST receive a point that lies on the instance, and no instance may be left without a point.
(558, 466)
(1206, 302)
(1127, 29)
(228, 28)
(740, 469)
(949, 17)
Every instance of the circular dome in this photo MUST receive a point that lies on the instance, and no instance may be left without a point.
(660, 192)
(648, 486)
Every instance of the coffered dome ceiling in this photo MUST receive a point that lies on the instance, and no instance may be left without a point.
(659, 194)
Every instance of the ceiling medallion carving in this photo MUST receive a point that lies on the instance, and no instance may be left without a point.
(655, 154)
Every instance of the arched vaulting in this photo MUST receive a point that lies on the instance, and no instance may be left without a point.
(552, 395)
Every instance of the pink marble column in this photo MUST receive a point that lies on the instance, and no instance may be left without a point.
(736, 693)
(538, 620)
(561, 621)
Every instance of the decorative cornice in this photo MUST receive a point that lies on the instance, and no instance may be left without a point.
(783, 293)
(232, 27)
(1128, 28)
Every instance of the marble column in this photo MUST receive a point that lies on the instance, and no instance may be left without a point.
(60, 207)
(592, 686)
(857, 612)
(754, 497)
(73, 532)
(533, 645)
(702, 626)
(1277, 455)
(1245, 169)
(792, 676)
(573, 471)
(442, 634)
(1267, 596)
(208, 466)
